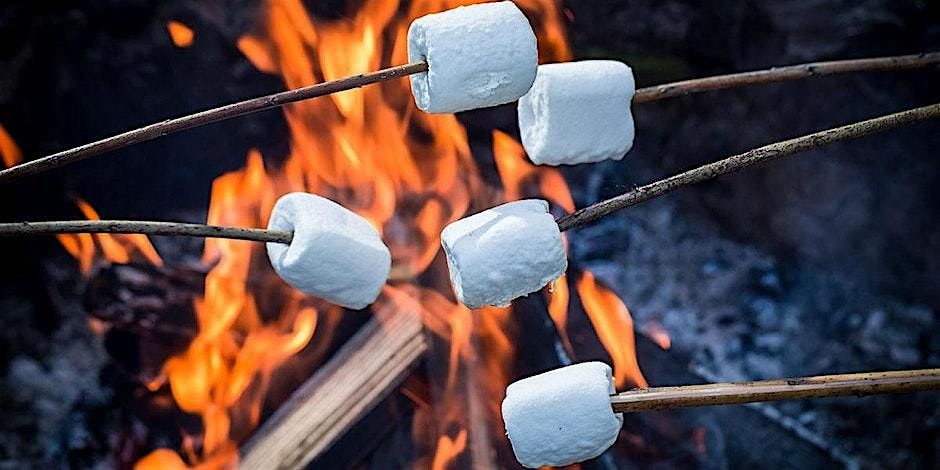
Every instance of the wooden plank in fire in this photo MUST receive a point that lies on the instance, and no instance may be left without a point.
(361, 374)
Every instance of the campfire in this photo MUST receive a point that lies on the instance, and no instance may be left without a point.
(271, 354)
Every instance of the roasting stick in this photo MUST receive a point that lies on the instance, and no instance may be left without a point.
(643, 95)
(209, 116)
(734, 163)
(690, 396)
(784, 74)
(144, 227)
(515, 249)
(576, 219)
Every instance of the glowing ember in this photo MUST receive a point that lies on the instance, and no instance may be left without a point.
(9, 151)
(181, 34)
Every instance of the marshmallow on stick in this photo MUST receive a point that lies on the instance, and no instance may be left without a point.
(562, 416)
(335, 254)
(503, 253)
(478, 56)
(578, 112)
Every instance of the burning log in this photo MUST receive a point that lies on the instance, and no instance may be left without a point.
(368, 367)
(643, 95)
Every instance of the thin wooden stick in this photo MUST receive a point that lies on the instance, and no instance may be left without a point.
(643, 95)
(578, 218)
(209, 116)
(690, 396)
(737, 162)
(783, 74)
(145, 227)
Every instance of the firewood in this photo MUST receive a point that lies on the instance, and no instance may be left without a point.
(362, 373)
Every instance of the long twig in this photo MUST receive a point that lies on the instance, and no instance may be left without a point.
(643, 95)
(783, 74)
(209, 116)
(145, 227)
(576, 219)
(869, 383)
(744, 160)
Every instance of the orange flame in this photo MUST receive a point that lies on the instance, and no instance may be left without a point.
(498, 350)
(9, 152)
(522, 179)
(448, 449)
(558, 309)
(181, 35)
(166, 459)
(614, 327)
(225, 371)
(161, 459)
(480, 354)
(118, 248)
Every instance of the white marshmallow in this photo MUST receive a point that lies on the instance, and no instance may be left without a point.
(562, 416)
(335, 253)
(503, 253)
(578, 112)
(478, 56)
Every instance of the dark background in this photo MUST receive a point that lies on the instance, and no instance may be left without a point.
(826, 262)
